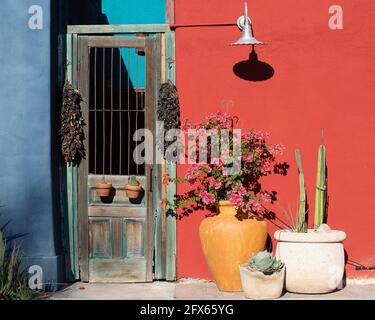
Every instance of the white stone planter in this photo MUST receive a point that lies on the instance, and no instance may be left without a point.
(257, 285)
(314, 261)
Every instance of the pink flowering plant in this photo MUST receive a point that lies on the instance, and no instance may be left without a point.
(208, 182)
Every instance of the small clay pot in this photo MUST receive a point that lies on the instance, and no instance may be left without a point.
(132, 192)
(103, 189)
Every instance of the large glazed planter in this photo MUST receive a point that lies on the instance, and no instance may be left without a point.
(228, 242)
(258, 285)
(314, 261)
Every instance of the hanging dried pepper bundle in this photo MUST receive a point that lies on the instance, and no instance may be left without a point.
(72, 123)
(168, 111)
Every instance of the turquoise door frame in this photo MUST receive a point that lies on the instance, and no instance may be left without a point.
(164, 226)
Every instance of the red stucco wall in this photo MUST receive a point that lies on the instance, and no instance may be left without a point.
(323, 79)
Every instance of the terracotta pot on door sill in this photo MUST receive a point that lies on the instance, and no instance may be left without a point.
(103, 189)
(228, 243)
(133, 192)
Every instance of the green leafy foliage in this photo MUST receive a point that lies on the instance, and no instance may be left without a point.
(226, 164)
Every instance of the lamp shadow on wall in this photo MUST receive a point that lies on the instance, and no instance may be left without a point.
(253, 69)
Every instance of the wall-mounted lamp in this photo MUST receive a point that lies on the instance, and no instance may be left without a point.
(251, 69)
(244, 23)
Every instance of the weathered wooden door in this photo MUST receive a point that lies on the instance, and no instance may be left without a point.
(118, 78)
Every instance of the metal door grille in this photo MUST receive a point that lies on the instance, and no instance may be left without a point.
(116, 109)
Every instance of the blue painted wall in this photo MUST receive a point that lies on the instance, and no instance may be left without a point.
(25, 135)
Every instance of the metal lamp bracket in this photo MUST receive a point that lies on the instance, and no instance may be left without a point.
(241, 22)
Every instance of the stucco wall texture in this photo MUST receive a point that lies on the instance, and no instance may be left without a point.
(26, 192)
(323, 79)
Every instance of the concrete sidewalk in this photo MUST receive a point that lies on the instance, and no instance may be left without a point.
(190, 290)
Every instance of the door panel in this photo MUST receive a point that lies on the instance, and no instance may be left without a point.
(116, 233)
(133, 237)
(100, 238)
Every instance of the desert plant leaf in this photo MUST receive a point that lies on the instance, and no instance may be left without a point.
(301, 220)
(13, 282)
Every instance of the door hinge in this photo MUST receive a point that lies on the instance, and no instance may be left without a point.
(151, 179)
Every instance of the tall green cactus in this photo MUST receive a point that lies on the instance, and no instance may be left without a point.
(301, 220)
(321, 186)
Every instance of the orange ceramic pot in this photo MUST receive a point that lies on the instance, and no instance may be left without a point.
(103, 189)
(228, 243)
(132, 192)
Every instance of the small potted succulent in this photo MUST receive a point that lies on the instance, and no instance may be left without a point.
(263, 276)
(133, 188)
(103, 188)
